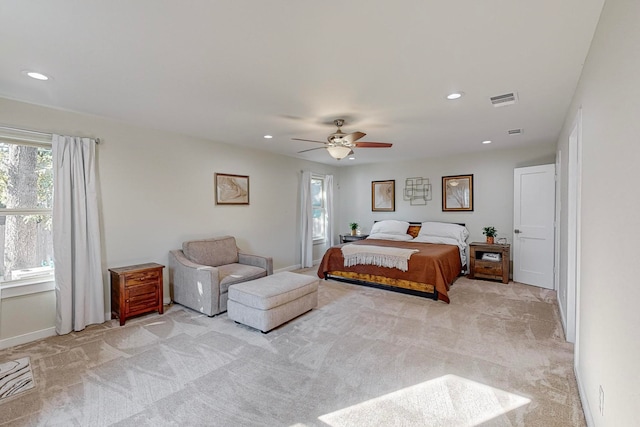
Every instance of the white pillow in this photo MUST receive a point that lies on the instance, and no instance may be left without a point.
(390, 226)
(438, 239)
(388, 236)
(443, 229)
(462, 246)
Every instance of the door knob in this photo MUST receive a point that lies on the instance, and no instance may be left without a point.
(517, 231)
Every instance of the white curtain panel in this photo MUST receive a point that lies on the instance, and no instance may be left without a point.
(306, 220)
(330, 221)
(76, 235)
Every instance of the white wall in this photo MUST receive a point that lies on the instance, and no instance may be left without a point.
(608, 344)
(492, 179)
(157, 191)
(26, 318)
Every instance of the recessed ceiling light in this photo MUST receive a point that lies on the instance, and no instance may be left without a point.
(352, 158)
(268, 136)
(455, 95)
(35, 75)
(486, 142)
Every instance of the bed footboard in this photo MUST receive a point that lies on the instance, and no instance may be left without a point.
(431, 295)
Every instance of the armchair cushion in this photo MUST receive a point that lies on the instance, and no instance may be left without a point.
(235, 273)
(214, 252)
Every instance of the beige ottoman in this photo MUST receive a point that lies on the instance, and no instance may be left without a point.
(270, 301)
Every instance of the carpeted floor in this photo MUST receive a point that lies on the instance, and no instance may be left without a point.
(365, 357)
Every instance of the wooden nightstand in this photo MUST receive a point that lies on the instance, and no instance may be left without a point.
(344, 238)
(136, 289)
(489, 269)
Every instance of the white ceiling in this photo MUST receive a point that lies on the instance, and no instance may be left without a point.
(233, 71)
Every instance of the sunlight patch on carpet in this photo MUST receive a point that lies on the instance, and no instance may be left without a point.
(444, 401)
(15, 377)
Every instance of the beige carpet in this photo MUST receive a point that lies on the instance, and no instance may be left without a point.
(365, 357)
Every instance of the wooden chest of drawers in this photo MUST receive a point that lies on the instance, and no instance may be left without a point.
(136, 289)
(489, 269)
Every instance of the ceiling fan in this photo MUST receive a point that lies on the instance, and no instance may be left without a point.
(340, 144)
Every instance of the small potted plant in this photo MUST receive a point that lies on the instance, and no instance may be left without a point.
(354, 228)
(490, 232)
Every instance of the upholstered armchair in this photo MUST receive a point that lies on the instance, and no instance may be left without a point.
(200, 274)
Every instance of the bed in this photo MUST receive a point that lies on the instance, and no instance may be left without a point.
(437, 259)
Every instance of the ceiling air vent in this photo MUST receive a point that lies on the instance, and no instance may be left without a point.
(515, 131)
(503, 100)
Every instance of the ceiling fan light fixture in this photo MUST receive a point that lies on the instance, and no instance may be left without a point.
(340, 144)
(338, 152)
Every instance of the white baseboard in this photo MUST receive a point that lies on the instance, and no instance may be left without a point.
(295, 267)
(26, 338)
(290, 268)
(563, 318)
(583, 399)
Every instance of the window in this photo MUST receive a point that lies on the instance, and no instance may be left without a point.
(26, 197)
(318, 204)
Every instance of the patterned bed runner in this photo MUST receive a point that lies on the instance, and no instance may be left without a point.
(382, 256)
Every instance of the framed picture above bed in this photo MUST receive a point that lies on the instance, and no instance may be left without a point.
(383, 196)
(457, 193)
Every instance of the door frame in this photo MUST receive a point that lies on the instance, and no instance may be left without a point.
(574, 174)
(556, 223)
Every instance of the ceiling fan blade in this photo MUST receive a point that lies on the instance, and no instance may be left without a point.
(353, 137)
(311, 149)
(373, 144)
(308, 140)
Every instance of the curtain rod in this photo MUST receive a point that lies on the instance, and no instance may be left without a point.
(35, 132)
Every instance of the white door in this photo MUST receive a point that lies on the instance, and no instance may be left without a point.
(533, 219)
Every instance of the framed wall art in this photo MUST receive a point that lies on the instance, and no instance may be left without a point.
(231, 189)
(383, 197)
(417, 191)
(457, 193)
